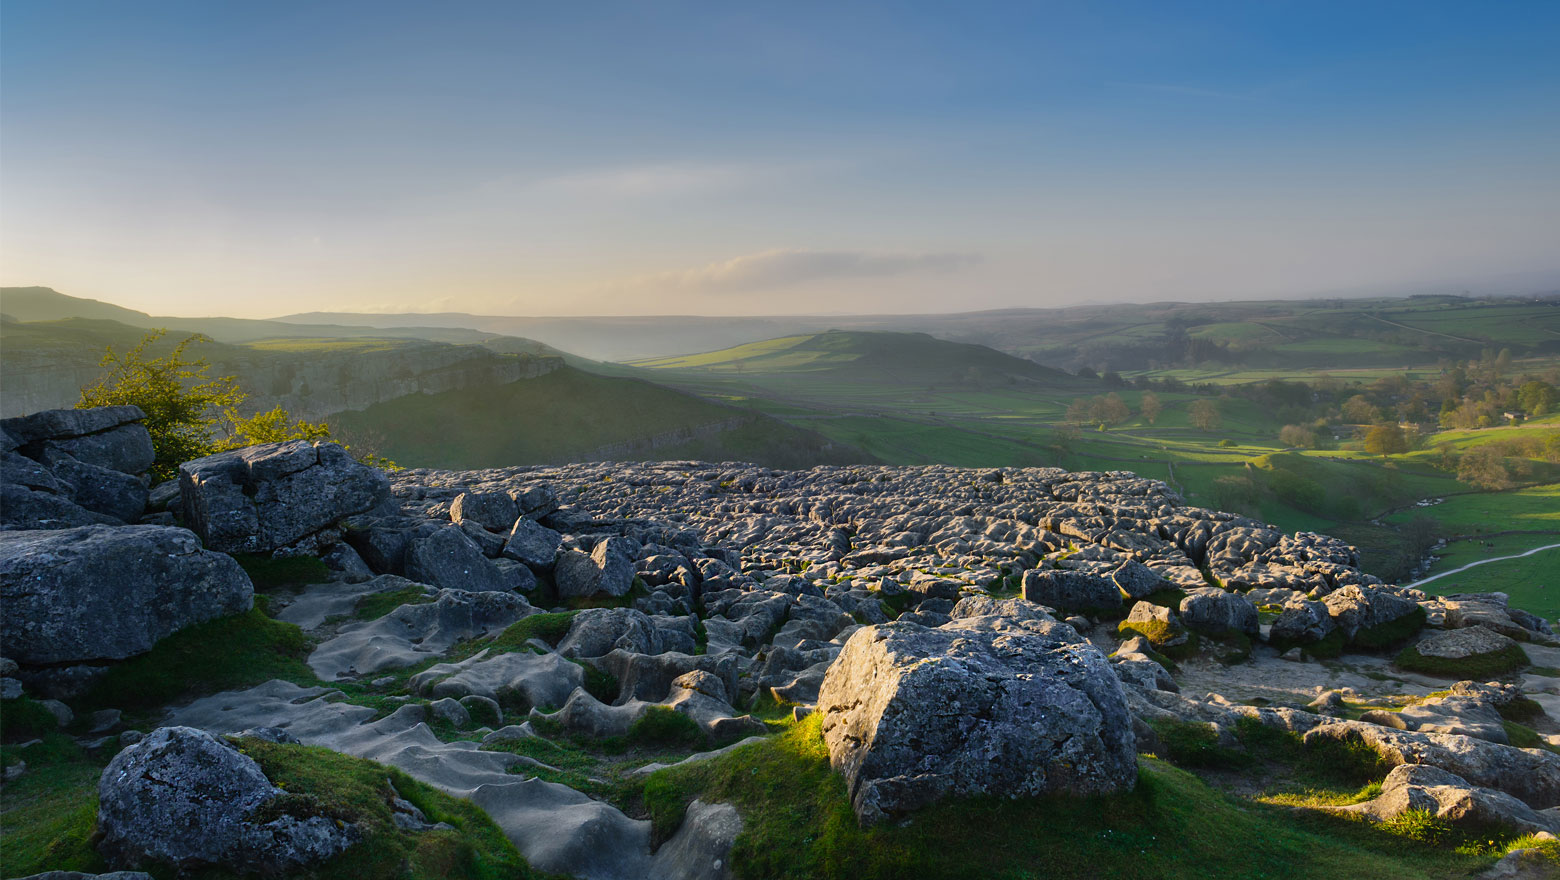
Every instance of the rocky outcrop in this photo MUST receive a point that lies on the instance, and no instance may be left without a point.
(1448, 796)
(103, 593)
(264, 498)
(984, 706)
(74, 467)
(183, 798)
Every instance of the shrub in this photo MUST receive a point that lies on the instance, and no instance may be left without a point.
(179, 399)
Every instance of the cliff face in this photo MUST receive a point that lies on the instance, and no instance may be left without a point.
(310, 384)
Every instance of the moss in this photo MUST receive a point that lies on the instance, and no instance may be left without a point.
(797, 822)
(1168, 597)
(598, 683)
(321, 782)
(377, 605)
(271, 573)
(1520, 709)
(25, 718)
(1478, 668)
(1229, 648)
(1391, 633)
(550, 628)
(1330, 646)
(232, 652)
(661, 726)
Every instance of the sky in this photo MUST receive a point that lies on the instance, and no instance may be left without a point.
(262, 158)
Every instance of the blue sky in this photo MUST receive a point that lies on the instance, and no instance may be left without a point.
(581, 158)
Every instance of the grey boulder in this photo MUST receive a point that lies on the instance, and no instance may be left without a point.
(102, 593)
(1212, 611)
(263, 498)
(450, 560)
(982, 706)
(1071, 590)
(184, 798)
(609, 569)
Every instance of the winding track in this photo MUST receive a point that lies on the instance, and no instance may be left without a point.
(1481, 562)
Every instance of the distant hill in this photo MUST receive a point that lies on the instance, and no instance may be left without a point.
(46, 363)
(572, 415)
(32, 304)
(909, 359)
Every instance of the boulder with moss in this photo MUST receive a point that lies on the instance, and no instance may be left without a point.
(1474, 652)
(184, 798)
(989, 705)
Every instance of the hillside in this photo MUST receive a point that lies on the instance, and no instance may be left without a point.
(572, 415)
(881, 357)
(46, 363)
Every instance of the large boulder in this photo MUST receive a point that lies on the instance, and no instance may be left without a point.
(183, 798)
(982, 706)
(103, 593)
(609, 569)
(106, 436)
(1213, 611)
(1071, 590)
(1365, 611)
(1449, 797)
(263, 498)
(450, 560)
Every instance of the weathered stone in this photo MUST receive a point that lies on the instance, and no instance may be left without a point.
(59, 424)
(26, 509)
(264, 498)
(101, 593)
(1465, 644)
(1354, 608)
(100, 489)
(1071, 590)
(1137, 580)
(1213, 611)
(449, 560)
(126, 449)
(532, 543)
(984, 705)
(608, 569)
(184, 798)
(595, 632)
(1448, 796)
(494, 511)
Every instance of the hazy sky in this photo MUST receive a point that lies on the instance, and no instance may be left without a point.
(269, 157)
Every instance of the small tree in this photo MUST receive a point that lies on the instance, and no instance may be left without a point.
(1205, 415)
(1298, 436)
(1150, 407)
(174, 392)
(1385, 439)
(1358, 410)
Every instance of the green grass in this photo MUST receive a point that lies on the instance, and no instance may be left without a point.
(355, 790)
(1479, 668)
(232, 652)
(47, 816)
(660, 726)
(292, 572)
(798, 823)
(25, 718)
(377, 605)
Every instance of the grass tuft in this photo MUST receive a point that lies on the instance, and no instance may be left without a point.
(233, 652)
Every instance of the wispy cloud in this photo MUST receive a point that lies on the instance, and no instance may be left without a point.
(665, 179)
(784, 268)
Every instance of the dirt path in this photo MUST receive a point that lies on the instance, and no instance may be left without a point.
(1481, 562)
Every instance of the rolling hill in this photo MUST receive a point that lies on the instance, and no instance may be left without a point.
(572, 415)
